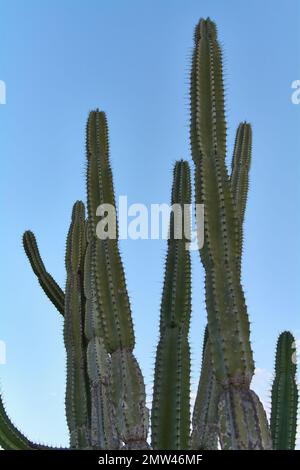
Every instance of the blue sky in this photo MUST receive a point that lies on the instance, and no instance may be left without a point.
(131, 58)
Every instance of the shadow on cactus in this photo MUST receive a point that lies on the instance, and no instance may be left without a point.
(105, 392)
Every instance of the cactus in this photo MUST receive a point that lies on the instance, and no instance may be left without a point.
(284, 394)
(242, 423)
(105, 392)
(170, 409)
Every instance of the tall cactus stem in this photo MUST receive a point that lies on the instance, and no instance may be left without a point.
(77, 398)
(228, 322)
(170, 410)
(108, 317)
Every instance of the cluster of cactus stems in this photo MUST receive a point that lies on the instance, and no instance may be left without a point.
(105, 392)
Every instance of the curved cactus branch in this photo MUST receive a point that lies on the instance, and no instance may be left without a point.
(108, 317)
(284, 394)
(77, 398)
(171, 398)
(48, 284)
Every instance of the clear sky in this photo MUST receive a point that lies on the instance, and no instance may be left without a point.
(62, 58)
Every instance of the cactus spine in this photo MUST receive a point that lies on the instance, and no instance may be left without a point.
(170, 409)
(241, 424)
(284, 394)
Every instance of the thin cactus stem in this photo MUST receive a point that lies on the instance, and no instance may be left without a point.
(109, 319)
(284, 394)
(48, 284)
(228, 324)
(77, 390)
(171, 399)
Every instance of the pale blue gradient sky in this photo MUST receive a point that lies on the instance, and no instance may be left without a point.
(131, 58)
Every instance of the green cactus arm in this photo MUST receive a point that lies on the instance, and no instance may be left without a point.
(284, 394)
(239, 178)
(228, 321)
(108, 315)
(77, 399)
(11, 438)
(205, 415)
(48, 284)
(240, 167)
(171, 397)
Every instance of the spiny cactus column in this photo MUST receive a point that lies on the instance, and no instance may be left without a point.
(205, 415)
(242, 421)
(77, 391)
(284, 394)
(48, 284)
(108, 324)
(171, 398)
(205, 428)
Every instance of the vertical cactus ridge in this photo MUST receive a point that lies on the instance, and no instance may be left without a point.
(108, 314)
(77, 390)
(205, 415)
(284, 394)
(48, 284)
(113, 307)
(171, 397)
